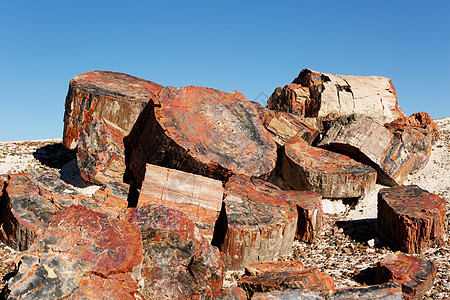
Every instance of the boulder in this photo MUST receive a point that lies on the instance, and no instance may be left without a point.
(80, 253)
(257, 223)
(315, 94)
(414, 274)
(418, 133)
(202, 131)
(366, 140)
(199, 198)
(101, 152)
(283, 126)
(327, 173)
(412, 217)
(385, 291)
(178, 263)
(117, 97)
(286, 275)
(310, 215)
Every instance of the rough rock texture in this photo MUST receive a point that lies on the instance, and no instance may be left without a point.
(178, 262)
(101, 152)
(80, 253)
(412, 217)
(315, 94)
(310, 215)
(414, 274)
(199, 198)
(418, 133)
(386, 291)
(366, 140)
(202, 131)
(279, 277)
(284, 126)
(112, 198)
(232, 293)
(117, 97)
(330, 174)
(265, 115)
(257, 223)
(28, 203)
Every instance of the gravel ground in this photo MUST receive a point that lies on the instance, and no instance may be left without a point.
(348, 248)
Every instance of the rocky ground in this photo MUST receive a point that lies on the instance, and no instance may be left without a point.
(350, 244)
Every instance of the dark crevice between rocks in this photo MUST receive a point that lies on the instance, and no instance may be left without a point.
(220, 228)
(133, 196)
(54, 155)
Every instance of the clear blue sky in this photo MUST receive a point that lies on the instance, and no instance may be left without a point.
(249, 46)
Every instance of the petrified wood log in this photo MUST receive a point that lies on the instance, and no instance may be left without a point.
(257, 223)
(292, 98)
(101, 152)
(80, 253)
(413, 218)
(117, 97)
(281, 277)
(330, 174)
(199, 198)
(178, 262)
(202, 131)
(366, 140)
(385, 291)
(310, 214)
(284, 126)
(265, 115)
(112, 197)
(415, 275)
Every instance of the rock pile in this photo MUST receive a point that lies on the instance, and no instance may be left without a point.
(197, 182)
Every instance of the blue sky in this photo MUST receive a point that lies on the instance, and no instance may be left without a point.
(251, 46)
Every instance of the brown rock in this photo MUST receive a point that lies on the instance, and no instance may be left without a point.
(414, 274)
(117, 97)
(202, 131)
(265, 115)
(232, 293)
(365, 140)
(101, 152)
(290, 294)
(413, 218)
(199, 198)
(418, 120)
(310, 215)
(178, 262)
(80, 253)
(386, 291)
(284, 126)
(293, 98)
(257, 223)
(284, 278)
(330, 174)
(112, 198)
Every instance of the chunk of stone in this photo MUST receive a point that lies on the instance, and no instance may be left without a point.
(415, 275)
(257, 223)
(94, 95)
(327, 173)
(232, 293)
(265, 115)
(284, 126)
(315, 94)
(178, 263)
(202, 131)
(199, 198)
(412, 217)
(418, 133)
(80, 253)
(101, 152)
(112, 197)
(289, 277)
(386, 291)
(366, 140)
(294, 294)
(310, 215)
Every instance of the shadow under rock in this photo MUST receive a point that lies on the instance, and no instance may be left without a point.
(70, 173)
(54, 155)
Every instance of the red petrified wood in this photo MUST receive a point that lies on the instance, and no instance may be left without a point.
(330, 174)
(310, 214)
(198, 197)
(257, 224)
(413, 218)
(284, 126)
(414, 274)
(117, 97)
(202, 131)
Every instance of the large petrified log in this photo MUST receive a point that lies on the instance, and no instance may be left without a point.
(412, 217)
(330, 174)
(202, 131)
(415, 275)
(178, 263)
(81, 253)
(199, 198)
(101, 152)
(366, 140)
(284, 275)
(117, 97)
(283, 126)
(315, 94)
(257, 223)
(418, 133)
(310, 214)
